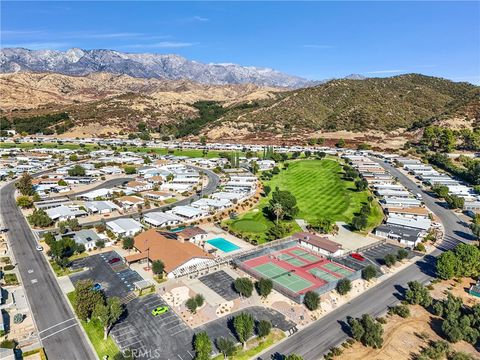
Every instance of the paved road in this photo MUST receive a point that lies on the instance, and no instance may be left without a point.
(329, 331)
(58, 329)
(107, 184)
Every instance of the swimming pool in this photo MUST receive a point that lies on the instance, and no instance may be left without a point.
(223, 244)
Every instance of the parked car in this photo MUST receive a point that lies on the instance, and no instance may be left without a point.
(114, 260)
(159, 310)
(357, 256)
(39, 248)
(97, 287)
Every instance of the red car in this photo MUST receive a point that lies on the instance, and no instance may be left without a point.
(357, 256)
(114, 260)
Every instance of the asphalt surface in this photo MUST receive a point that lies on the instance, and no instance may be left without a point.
(59, 331)
(146, 335)
(329, 331)
(107, 184)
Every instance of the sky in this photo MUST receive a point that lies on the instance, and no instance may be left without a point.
(315, 40)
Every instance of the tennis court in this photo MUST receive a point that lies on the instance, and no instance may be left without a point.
(285, 278)
(296, 262)
(337, 269)
(285, 256)
(319, 273)
(299, 252)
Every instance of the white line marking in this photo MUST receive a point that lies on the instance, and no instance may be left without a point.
(180, 357)
(60, 323)
(59, 331)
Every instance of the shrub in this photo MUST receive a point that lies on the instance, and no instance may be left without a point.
(344, 286)
(390, 260)
(400, 310)
(402, 254)
(369, 272)
(191, 305)
(311, 300)
(420, 247)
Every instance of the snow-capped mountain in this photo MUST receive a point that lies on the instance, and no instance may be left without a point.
(173, 67)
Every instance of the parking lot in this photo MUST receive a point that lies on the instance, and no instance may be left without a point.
(221, 283)
(115, 277)
(146, 335)
(163, 337)
(375, 254)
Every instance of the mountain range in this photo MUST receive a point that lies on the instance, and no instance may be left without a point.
(168, 67)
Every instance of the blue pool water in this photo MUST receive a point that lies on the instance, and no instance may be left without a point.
(223, 244)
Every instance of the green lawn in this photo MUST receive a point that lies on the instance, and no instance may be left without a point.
(94, 332)
(321, 192)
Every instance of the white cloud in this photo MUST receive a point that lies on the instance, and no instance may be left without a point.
(200, 18)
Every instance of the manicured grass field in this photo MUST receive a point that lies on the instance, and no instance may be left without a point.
(321, 192)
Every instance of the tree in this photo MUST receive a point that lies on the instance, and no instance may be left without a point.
(158, 267)
(359, 222)
(202, 345)
(455, 202)
(243, 286)
(475, 227)
(418, 294)
(369, 272)
(77, 170)
(311, 300)
(128, 243)
(100, 244)
(243, 325)
(277, 209)
(24, 185)
(264, 287)
(440, 190)
(225, 346)
(24, 201)
(402, 254)
(390, 260)
(287, 201)
(86, 299)
(400, 310)
(203, 140)
(108, 314)
(447, 265)
(267, 189)
(323, 226)
(343, 286)
(129, 169)
(367, 330)
(263, 328)
(468, 257)
(361, 184)
(278, 231)
(340, 143)
(73, 157)
(191, 305)
(40, 218)
(293, 357)
(199, 299)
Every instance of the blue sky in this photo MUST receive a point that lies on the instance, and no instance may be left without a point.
(316, 40)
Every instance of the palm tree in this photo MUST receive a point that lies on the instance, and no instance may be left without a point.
(277, 210)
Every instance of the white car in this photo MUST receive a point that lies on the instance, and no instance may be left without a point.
(39, 248)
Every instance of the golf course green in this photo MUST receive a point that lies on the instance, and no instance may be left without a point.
(321, 192)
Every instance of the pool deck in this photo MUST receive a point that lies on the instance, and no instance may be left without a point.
(214, 232)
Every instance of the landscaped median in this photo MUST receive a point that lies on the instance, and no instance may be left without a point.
(94, 331)
(255, 346)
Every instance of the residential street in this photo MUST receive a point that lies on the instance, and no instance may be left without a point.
(59, 331)
(329, 331)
